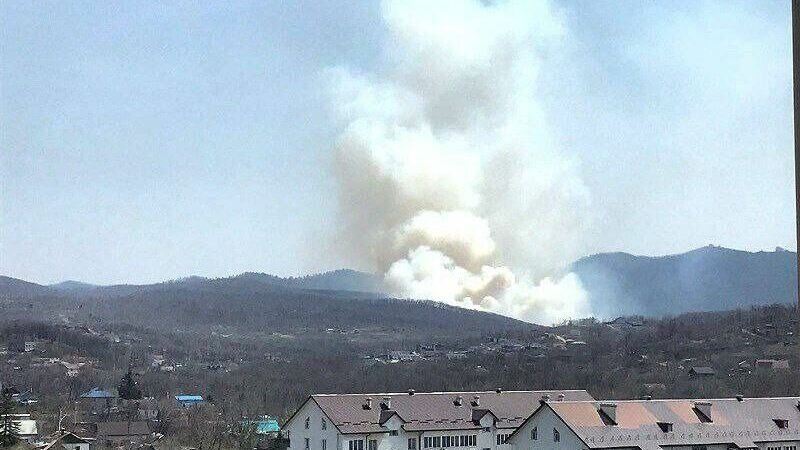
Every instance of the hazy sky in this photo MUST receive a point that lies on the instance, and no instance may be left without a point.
(143, 141)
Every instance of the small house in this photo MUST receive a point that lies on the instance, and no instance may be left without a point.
(189, 400)
(702, 371)
(264, 425)
(68, 441)
(98, 401)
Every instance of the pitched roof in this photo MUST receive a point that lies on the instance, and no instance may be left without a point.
(98, 393)
(67, 437)
(702, 370)
(435, 410)
(742, 423)
(116, 429)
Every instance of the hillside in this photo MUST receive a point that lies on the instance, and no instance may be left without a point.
(248, 302)
(706, 279)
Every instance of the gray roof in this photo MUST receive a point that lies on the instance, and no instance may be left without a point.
(434, 411)
(741, 423)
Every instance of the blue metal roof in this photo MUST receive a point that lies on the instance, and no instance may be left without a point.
(98, 393)
(189, 398)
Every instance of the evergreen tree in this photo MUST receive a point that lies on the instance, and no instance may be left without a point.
(8, 428)
(128, 390)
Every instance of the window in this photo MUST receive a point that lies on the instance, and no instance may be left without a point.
(372, 444)
(666, 427)
(781, 423)
(393, 433)
(412, 443)
(486, 429)
(557, 436)
(355, 444)
(308, 422)
(790, 447)
(324, 424)
(308, 443)
(534, 434)
(324, 444)
(426, 442)
(502, 439)
(703, 447)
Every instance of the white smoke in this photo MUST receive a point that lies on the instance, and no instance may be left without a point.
(450, 183)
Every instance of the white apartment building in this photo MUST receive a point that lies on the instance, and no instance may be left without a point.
(415, 421)
(720, 424)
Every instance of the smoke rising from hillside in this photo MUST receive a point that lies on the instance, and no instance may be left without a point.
(450, 183)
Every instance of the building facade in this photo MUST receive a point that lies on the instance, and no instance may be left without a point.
(415, 421)
(720, 424)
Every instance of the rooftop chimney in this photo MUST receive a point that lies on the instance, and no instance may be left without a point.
(739, 398)
(458, 401)
(610, 411)
(368, 403)
(476, 400)
(545, 398)
(387, 403)
(410, 392)
(499, 390)
(561, 397)
(704, 408)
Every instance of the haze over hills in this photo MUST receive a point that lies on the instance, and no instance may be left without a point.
(706, 279)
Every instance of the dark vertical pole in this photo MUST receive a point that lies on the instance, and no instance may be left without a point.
(796, 89)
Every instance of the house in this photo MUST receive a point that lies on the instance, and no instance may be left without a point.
(27, 429)
(701, 371)
(189, 400)
(98, 401)
(121, 432)
(414, 421)
(734, 423)
(68, 441)
(264, 425)
(774, 364)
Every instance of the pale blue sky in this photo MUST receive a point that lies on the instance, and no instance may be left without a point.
(143, 141)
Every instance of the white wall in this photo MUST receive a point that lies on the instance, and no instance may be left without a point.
(298, 433)
(545, 422)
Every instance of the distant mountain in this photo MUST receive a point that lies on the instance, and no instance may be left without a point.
(338, 280)
(15, 287)
(342, 299)
(706, 279)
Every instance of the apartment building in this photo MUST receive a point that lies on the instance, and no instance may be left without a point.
(415, 421)
(720, 424)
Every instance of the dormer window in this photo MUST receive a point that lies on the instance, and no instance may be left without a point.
(666, 427)
(534, 434)
(781, 423)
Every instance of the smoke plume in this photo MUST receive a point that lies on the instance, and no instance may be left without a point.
(450, 183)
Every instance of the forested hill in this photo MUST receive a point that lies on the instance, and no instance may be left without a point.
(248, 302)
(706, 279)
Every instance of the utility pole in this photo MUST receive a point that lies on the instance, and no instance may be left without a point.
(796, 91)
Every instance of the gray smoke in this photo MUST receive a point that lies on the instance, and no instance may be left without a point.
(450, 183)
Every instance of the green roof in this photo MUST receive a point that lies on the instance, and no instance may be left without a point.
(264, 425)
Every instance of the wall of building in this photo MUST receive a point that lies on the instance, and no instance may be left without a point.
(298, 433)
(545, 422)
